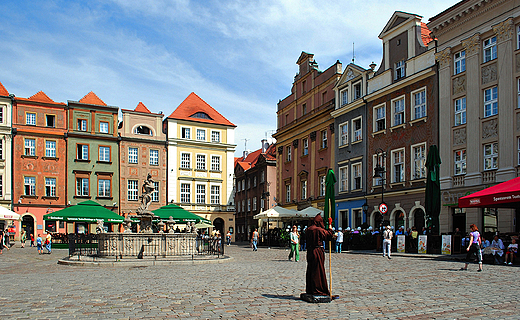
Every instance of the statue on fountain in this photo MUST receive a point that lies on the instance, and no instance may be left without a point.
(146, 198)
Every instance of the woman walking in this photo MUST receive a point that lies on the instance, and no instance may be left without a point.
(295, 245)
(473, 248)
(23, 238)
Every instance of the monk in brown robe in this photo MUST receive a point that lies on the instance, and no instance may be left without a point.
(316, 278)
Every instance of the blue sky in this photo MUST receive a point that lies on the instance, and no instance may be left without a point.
(238, 55)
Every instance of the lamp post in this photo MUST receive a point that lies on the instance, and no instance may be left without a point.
(379, 172)
(364, 207)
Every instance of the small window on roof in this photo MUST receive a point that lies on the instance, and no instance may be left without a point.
(143, 130)
(201, 115)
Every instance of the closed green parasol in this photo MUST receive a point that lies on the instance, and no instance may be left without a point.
(433, 189)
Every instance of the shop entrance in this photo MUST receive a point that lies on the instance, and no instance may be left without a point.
(28, 225)
(418, 218)
(399, 219)
(459, 220)
(219, 225)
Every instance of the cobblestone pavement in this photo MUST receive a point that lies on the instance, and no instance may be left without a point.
(254, 285)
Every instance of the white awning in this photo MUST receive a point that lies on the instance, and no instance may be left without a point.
(276, 213)
(6, 214)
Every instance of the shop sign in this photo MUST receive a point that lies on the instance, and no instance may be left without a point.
(446, 244)
(423, 241)
(401, 245)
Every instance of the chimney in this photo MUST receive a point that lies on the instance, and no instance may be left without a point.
(265, 145)
(245, 154)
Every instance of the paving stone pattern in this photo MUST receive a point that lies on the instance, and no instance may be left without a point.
(253, 285)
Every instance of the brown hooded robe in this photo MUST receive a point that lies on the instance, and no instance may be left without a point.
(316, 279)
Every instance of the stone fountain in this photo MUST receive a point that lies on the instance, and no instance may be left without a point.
(143, 214)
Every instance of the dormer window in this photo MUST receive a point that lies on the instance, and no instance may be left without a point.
(144, 130)
(344, 97)
(399, 70)
(357, 91)
(201, 115)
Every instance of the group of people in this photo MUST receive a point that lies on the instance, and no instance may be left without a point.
(40, 243)
(497, 251)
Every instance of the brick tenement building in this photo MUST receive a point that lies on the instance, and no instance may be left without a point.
(402, 122)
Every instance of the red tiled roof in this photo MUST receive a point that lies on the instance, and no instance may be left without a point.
(270, 153)
(194, 104)
(3, 91)
(40, 96)
(92, 98)
(252, 158)
(142, 108)
(425, 34)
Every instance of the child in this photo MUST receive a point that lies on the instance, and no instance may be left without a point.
(32, 240)
(39, 244)
(512, 249)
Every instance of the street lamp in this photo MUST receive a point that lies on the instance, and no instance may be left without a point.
(379, 172)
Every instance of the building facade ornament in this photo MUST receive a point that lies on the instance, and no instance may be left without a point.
(459, 136)
(444, 57)
(459, 84)
(504, 30)
(489, 73)
(490, 129)
(472, 45)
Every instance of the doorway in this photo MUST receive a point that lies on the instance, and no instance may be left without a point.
(28, 225)
(399, 219)
(459, 220)
(219, 225)
(418, 218)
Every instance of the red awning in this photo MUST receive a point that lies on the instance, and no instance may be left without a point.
(503, 195)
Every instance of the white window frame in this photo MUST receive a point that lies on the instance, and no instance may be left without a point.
(518, 37)
(155, 193)
(357, 95)
(418, 162)
(104, 188)
(489, 49)
(357, 134)
(378, 118)
(185, 193)
(2, 108)
(305, 146)
(104, 156)
(377, 181)
(421, 106)
(460, 111)
(357, 175)
(185, 133)
(323, 186)
(343, 134)
(459, 62)
(2, 149)
(154, 157)
(303, 189)
(343, 179)
(344, 97)
(201, 134)
(200, 193)
(287, 193)
(84, 155)
(288, 157)
(400, 71)
(132, 187)
(29, 186)
(401, 177)
(30, 147)
(490, 101)
(324, 142)
(215, 163)
(491, 156)
(185, 160)
(30, 118)
(50, 187)
(254, 204)
(200, 161)
(459, 162)
(50, 148)
(83, 187)
(518, 92)
(249, 205)
(215, 136)
(82, 125)
(133, 155)
(103, 127)
(402, 112)
(215, 194)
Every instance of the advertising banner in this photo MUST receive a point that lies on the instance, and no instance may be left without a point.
(423, 239)
(446, 244)
(401, 243)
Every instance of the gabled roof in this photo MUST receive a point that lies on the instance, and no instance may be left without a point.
(425, 34)
(396, 20)
(141, 108)
(92, 98)
(40, 96)
(252, 159)
(352, 71)
(193, 108)
(3, 91)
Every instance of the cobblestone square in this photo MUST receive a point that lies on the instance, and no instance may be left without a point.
(254, 285)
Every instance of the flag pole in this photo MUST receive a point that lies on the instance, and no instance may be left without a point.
(330, 255)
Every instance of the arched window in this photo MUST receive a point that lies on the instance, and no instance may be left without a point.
(144, 130)
(201, 115)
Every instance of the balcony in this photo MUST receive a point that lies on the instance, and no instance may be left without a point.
(458, 181)
(489, 177)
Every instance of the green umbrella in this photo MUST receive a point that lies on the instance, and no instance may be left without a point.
(203, 225)
(86, 211)
(178, 214)
(433, 189)
(330, 202)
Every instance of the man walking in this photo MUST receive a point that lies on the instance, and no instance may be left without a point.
(387, 241)
(254, 240)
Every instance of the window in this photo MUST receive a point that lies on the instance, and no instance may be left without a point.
(143, 130)
(460, 162)
(1, 185)
(491, 156)
(490, 49)
(287, 193)
(419, 104)
(344, 97)
(303, 86)
(30, 147)
(399, 70)
(1, 115)
(343, 138)
(459, 60)
(518, 89)
(201, 134)
(30, 119)
(154, 157)
(378, 181)
(82, 187)
(254, 204)
(490, 102)
(419, 160)
(82, 152)
(1, 151)
(304, 189)
(254, 181)
(518, 145)
(215, 195)
(324, 139)
(398, 111)
(323, 187)
(155, 193)
(262, 177)
(185, 160)
(215, 163)
(103, 127)
(201, 194)
(380, 117)
(343, 179)
(518, 37)
(104, 154)
(288, 157)
(133, 154)
(248, 204)
(30, 186)
(357, 91)
(50, 120)
(133, 190)
(185, 133)
(248, 183)
(356, 127)
(305, 145)
(324, 97)
(104, 188)
(185, 192)
(356, 176)
(398, 166)
(460, 111)
(304, 109)
(82, 125)
(201, 162)
(50, 149)
(215, 136)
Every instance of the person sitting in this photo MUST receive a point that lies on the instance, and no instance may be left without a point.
(497, 249)
(399, 231)
(485, 250)
(512, 249)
